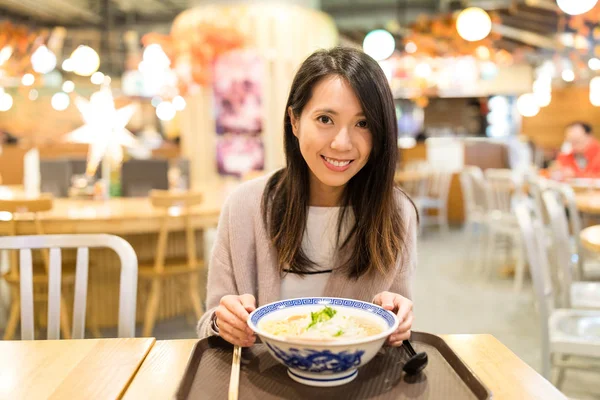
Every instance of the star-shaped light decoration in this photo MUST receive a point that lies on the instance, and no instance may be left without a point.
(104, 129)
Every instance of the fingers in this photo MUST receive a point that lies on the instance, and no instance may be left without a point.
(234, 306)
(224, 315)
(404, 307)
(407, 323)
(248, 302)
(397, 338)
(402, 332)
(385, 300)
(232, 315)
(235, 336)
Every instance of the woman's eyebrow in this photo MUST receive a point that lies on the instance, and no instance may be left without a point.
(333, 112)
(326, 110)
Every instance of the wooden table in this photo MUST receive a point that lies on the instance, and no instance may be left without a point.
(507, 376)
(138, 222)
(590, 238)
(69, 369)
(159, 375)
(584, 184)
(121, 215)
(504, 374)
(588, 202)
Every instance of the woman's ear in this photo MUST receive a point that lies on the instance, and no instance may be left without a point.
(293, 120)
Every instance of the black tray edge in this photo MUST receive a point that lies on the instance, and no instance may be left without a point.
(460, 367)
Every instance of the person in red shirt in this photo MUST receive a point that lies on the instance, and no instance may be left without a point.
(580, 156)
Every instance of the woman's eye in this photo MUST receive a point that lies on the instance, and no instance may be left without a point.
(362, 124)
(324, 119)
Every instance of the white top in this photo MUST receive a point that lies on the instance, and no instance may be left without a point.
(319, 245)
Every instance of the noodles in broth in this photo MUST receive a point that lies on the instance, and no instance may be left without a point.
(326, 324)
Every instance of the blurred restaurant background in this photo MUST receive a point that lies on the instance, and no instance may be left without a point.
(137, 118)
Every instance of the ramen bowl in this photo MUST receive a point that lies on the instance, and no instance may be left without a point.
(327, 361)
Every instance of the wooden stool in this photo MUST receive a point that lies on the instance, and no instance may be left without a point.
(34, 207)
(157, 273)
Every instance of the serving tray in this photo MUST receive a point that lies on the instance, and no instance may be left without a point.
(263, 378)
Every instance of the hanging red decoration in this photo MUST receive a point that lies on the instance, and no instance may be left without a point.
(193, 48)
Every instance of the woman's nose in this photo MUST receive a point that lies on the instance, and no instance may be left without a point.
(342, 141)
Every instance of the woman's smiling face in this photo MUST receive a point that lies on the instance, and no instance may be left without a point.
(333, 134)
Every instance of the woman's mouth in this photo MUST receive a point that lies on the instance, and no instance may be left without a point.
(335, 164)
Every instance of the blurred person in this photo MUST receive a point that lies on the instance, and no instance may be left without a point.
(331, 222)
(580, 154)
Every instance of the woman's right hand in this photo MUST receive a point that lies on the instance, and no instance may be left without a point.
(232, 316)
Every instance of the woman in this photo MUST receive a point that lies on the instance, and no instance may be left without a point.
(331, 222)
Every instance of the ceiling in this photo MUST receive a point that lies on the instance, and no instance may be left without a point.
(91, 12)
(524, 22)
(530, 22)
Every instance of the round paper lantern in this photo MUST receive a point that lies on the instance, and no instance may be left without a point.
(594, 64)
(60, 101)
(527, 105)
(423, 70)
(68, 65)
(43, 60)
(411, 47)
(6, 101)
(68, 86)
(568, 75)
(595, 91)
(85, 61)
(28, 80)
(5, 53)
(543, 99)
(97, 78)
(473, 24)
(576, 7)
(483, 53)
(156, 57)
(379, 44)
(165, 111)
(179, 103)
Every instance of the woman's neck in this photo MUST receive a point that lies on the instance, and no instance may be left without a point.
(322, 195)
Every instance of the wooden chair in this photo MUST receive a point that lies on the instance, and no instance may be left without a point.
(473, 188)
(503, 187)
(127, 293)
(157, 273)
(437, 189)
(34, 207)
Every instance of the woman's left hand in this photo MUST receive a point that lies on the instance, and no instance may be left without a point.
(402, 307)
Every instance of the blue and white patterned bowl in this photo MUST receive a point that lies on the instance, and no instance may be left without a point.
(327, 363)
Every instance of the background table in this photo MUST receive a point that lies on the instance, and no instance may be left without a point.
(69, 369)
(505, 374)
(590, 238)
(588, 202)
(138, 222)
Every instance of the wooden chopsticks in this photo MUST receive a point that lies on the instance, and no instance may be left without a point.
(234, 381)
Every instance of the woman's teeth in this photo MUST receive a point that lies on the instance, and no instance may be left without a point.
(336, 163)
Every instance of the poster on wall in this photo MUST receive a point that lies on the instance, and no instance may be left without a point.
(238, 112)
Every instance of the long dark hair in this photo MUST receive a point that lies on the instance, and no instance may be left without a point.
(377, 236)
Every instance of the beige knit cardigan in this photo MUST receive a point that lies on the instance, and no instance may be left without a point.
(243, 259)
